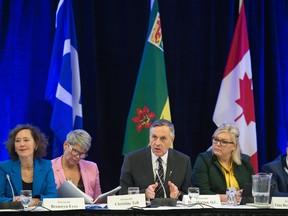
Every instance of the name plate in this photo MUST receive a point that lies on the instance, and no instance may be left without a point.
(126, 201)
(56, 204)
(279, 202)
(211, 200)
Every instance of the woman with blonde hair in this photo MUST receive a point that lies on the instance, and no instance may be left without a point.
(224, 166)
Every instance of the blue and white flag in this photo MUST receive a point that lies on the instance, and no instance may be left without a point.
(63, 87)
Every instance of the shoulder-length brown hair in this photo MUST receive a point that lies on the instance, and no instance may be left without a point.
(39, 138)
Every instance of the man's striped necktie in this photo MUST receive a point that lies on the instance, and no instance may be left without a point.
(159, 193)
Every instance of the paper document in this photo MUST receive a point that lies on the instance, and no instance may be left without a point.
(69, 190)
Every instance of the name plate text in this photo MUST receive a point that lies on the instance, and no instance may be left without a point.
(211, 200)
(279, 202)
(126, 201)
(56, 204)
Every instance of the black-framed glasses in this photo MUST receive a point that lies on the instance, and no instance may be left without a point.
(76, 153)
(222, 142)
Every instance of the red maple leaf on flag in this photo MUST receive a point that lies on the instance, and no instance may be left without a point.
(144, 118)
(246, 100)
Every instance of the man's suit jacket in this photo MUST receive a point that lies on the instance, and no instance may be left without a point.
(208, 175)
(43, 179)
(137, 171)
(89, 173)
(280, 176)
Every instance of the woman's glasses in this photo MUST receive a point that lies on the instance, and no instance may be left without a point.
(77, 153)
(224, 143)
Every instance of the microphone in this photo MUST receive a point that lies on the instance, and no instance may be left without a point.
(8, 178)
(161, 183)
(163, 201)
(13, 204)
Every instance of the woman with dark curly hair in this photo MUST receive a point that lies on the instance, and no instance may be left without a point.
(26, 170)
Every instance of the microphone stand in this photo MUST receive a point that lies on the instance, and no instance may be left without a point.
(161, 183)
(13, 204)
(8, 178)
(163, 201)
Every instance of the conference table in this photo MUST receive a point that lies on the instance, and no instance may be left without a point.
(160, 211)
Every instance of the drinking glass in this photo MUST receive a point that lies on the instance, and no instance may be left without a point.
(133, 190)
(25, 198)
(193, 193)
(231, 193)
(261, 188)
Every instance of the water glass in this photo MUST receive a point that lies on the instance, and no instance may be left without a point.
(193, 193)
(25, 198)
(231, 193)
(261, 188)
(133, 190)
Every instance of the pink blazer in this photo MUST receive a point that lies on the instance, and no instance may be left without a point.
(89, 172)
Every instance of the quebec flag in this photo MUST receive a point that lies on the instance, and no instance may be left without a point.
(63, 89)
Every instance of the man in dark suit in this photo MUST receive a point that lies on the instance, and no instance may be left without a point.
(279, 169)
(140, 167)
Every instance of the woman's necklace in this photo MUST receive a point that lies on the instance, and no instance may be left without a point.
(71, 172)
(27, 166)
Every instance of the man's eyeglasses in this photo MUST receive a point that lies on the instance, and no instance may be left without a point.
(77, 153)
(223, 143)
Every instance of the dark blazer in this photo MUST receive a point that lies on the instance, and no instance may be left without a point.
(280, 176)
(43, 179)
(208, 175)
(137, 171)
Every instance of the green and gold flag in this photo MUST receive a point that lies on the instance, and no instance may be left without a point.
(150, 100)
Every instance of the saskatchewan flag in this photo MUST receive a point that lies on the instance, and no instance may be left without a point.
(150, 100)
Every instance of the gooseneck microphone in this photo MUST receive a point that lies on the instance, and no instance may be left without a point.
(8, 178)
(163, 201)
(161, 183)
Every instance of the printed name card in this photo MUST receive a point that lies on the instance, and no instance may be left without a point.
(211, 200)
(126, 201)
(279, 202)
(56, 204)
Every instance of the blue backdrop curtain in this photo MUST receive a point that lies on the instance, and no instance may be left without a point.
(111, 35)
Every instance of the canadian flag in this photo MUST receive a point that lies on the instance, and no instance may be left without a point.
(235, 103)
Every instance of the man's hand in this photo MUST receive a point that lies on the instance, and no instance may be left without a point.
(174, 192)
(150, 194)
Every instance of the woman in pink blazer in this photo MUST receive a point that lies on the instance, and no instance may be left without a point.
(70, 166)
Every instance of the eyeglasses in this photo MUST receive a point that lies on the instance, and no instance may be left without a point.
(223, 143)
(77, 153)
